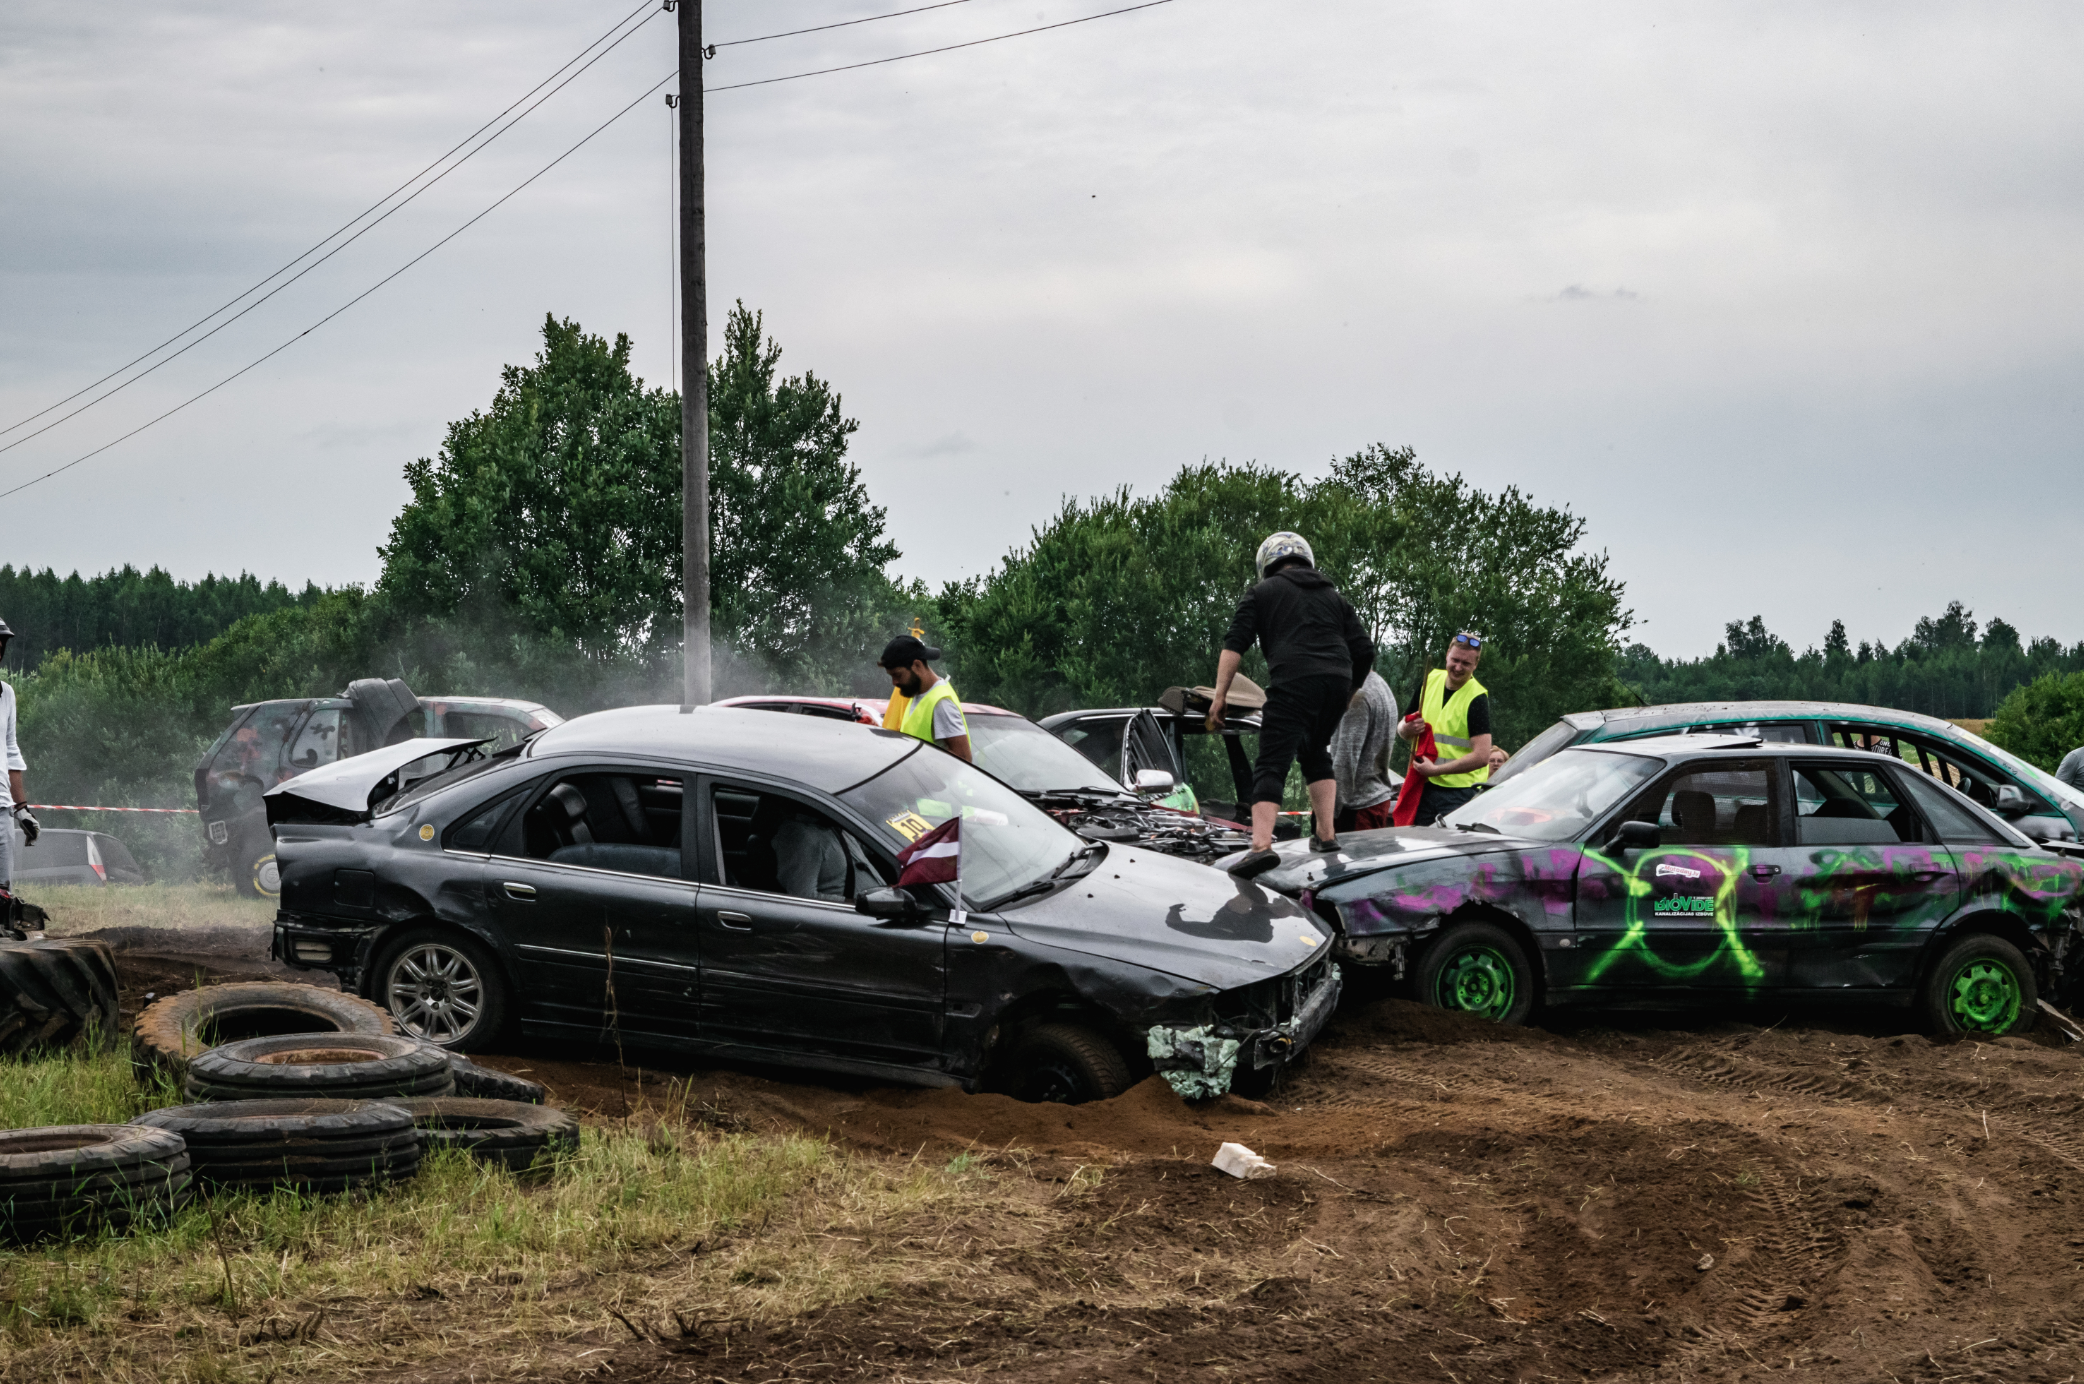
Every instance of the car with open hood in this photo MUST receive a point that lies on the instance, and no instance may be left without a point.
(1069, 786)
(698, 882)
(1669, 870)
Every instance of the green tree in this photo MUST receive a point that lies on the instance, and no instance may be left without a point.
(2043, 720)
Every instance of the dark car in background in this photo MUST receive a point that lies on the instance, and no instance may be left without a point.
(1674, 869)
(704, 883)
(1071, 788)
(63, 855)
(268, 743)
(2034, 801)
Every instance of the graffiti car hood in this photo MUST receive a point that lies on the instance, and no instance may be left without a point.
(1174, 916)
(1365, 852)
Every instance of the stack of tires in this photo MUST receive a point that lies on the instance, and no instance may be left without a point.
(77, 1179)
(55, 991)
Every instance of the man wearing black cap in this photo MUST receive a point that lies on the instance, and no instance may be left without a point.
(932, 712)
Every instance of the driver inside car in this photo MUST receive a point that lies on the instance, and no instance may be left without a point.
(810, 862)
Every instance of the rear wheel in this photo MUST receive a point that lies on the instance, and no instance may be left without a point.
(255, 871)
(443, 988)
(1066, 1064)
(1982, 985)
(1477, 968)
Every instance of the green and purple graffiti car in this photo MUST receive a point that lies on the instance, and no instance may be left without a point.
(1664, 871)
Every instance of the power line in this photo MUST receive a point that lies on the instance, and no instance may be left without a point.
(844, 23)
(349, 224)
(950, 48)
(350, 302)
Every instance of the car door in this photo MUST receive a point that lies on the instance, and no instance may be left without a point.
(589, 889)
(788, 966)
(1867, 880)
(1698, 912)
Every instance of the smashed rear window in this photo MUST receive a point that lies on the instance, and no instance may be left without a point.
(472, 762)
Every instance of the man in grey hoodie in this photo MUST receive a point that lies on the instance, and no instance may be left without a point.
(1360, 757)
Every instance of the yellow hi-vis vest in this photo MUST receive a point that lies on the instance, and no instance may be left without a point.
(918, 718)
(1449, 718)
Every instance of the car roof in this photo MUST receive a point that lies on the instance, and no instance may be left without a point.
(824, 753)
(1694, 713)
(879, 704)
(1674, 745)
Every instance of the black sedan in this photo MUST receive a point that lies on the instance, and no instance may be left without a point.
(722, 883)
(1670, 870)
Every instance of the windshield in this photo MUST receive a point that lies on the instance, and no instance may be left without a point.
(1033, 760)
(1535, 751)
(1007, 842)
(1558, 799)
(2056, 790)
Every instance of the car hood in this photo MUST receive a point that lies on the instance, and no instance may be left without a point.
(1174, 916)
(348, 784)
(1366, 852)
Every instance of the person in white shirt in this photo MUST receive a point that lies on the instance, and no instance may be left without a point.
(14, 795)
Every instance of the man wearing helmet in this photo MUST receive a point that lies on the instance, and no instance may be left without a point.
(14, 796)
(1316, 655)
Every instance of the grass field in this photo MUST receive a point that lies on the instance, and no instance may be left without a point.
(75, 908)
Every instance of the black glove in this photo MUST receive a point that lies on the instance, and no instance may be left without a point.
(31, 828)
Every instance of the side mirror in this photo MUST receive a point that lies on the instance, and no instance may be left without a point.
(2010, 801)
(890, 905)
(1633, 836)
(1154, 781)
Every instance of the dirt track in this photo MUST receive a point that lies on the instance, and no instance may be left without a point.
(1458, 1202)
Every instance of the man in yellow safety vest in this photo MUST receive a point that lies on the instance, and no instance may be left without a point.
(1458, 710)
(932, 710)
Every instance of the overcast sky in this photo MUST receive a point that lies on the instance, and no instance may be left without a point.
(1783, 298)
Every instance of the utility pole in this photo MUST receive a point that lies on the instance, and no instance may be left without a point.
(694, 370)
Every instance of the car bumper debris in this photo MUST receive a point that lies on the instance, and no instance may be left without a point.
(1201, 1061)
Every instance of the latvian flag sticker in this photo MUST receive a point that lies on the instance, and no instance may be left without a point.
(932, 859)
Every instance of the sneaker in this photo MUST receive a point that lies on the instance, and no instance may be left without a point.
(1255, 863)
(1320, 846)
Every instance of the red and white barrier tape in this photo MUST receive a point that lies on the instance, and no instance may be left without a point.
(76, 807)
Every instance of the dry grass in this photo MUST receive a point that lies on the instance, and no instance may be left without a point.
(75, 908)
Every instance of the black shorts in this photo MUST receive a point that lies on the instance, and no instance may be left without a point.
(1297, 725)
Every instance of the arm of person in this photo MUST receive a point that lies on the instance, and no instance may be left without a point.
(950, 731)
(959, 746)
(1227, 664)
(1479, 755)
(1358, 646)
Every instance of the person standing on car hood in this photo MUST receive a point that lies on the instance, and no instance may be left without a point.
(1316, 655)
(1457, 708)
(14, 794)
(933, 712)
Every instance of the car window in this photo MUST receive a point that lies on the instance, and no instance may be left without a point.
(1007, 842)
(1536, 750)
(1956, 770)
(502, 731)
(1099, 740)
(1771, 732)
(479, 827)
(627, 821)
(317, 742)
(1726, 803)
(1031, 759)
(777, 844)
(1850, 805)
(1957, 820)
(1558, 799)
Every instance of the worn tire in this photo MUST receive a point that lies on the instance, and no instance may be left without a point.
(55, 991)
(68, 1179)
(1981, 985)
(430, 977)
(484, 1083)
(256, 873)
(311, 1145)
(1067, 1064)
(177, 1028)
(513, 1134)
(337, 1066)
(1476, 968)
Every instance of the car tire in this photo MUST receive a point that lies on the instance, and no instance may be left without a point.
(70, 1179)
(1981, 985)
(255, 871)
(512, 1134)
(428, 979)
(484, 1083)
(177, 1028)
(336, 1066)
(1476, 968)
(1065, 1064)
(313, 1145)
(56, 991)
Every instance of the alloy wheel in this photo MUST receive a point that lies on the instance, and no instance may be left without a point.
(1985, 996)
(1477, 980)
(434, 992)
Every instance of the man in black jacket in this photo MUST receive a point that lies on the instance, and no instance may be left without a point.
(1316, 654)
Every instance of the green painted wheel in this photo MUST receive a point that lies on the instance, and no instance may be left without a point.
(1477, 980)
(1985, 996)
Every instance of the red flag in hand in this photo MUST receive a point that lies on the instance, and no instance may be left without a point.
(1414, 786)
(933, 858)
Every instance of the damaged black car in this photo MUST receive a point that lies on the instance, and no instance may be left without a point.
(698, 882)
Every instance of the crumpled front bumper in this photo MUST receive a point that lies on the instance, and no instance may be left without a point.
(1201, 1061)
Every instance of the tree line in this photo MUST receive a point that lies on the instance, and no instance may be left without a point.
(128, 608)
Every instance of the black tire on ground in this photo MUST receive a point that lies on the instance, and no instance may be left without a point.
(1067, 1064)
(314, 1145)
(486, 1084)
(255, 871)
(1476, 968)
(513, 1134)
(339, 1066)
(442, 987)
(56, 991)
(1982, 985)
(69, 1179)
(183, 1026)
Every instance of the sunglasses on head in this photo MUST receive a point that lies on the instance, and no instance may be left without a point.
(1468, 640)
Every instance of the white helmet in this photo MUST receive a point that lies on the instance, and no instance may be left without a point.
(1284, 544)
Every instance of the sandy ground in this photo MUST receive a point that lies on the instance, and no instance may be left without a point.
(1730, 1200)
